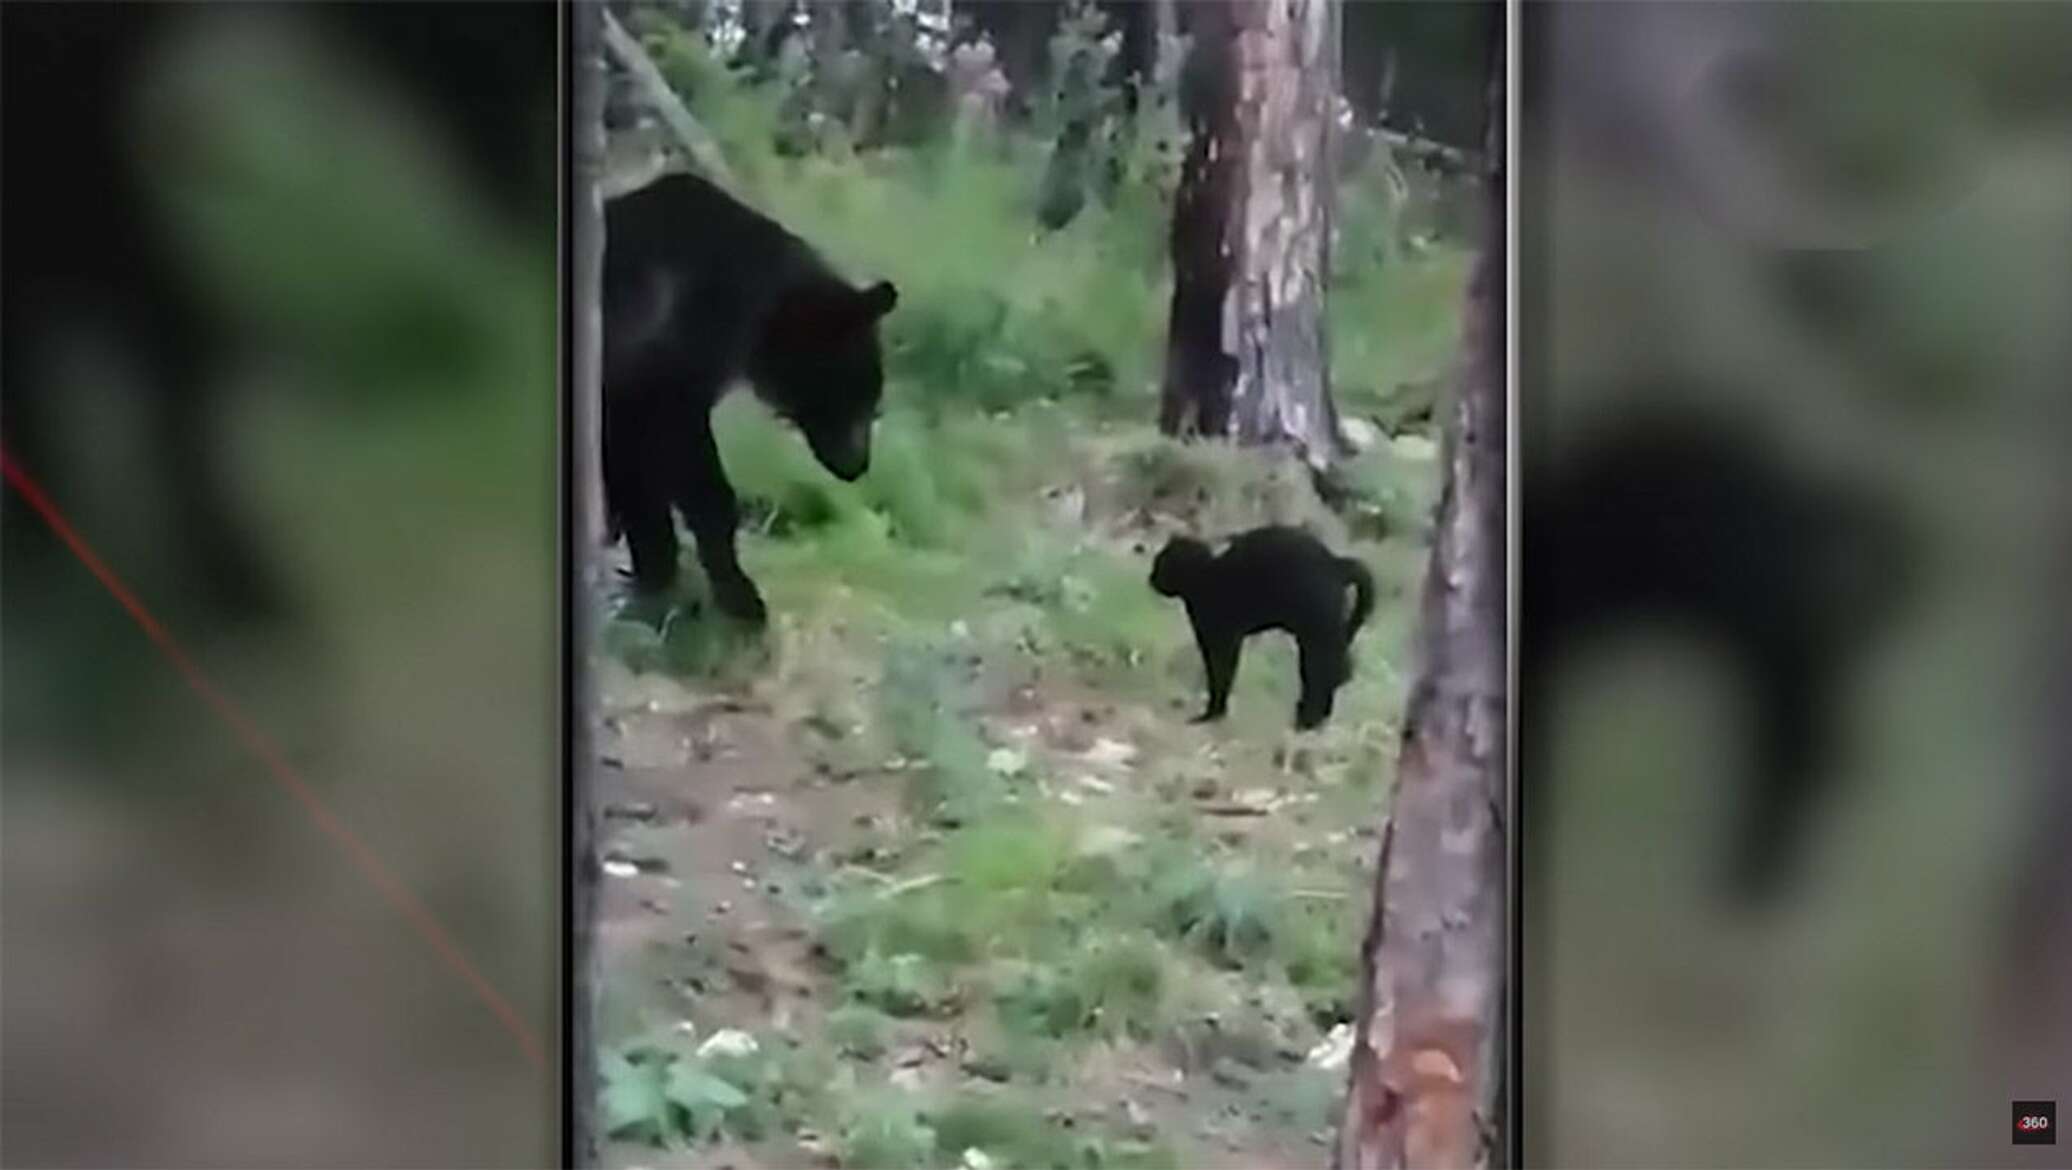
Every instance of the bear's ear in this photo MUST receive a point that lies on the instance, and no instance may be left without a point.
(879, 299)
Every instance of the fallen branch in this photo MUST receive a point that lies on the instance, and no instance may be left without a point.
(698, 145)
(1233, 810)
(1411, 144)
(1153, 1083)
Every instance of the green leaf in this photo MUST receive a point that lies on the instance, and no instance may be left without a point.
(634, 1101)
(694, 1088)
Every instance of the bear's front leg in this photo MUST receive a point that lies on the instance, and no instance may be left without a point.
(709, 507)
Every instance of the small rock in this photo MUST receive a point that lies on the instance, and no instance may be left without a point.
(988, 1068)
(1111, 751)
(1415, 447)
(1007, 762)
(618, 868)
(728, 1042)
(1358, 433)
(976, 1159)
(1334, 1050)
(1105, 839)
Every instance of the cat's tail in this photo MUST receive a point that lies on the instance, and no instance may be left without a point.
(1362, 582)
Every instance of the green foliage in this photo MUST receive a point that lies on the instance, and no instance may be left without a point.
(993, 318)
(858, 1031)
(885, 1132)
(656, 1094)
(887, 1129)
(903, 984)
(660, 1091)
(1113, 986)
(683, 634)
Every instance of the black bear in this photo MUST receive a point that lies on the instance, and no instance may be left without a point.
(700, 291)
(1679, 518)
(1272, 578)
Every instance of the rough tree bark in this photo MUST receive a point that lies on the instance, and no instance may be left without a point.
(1425, 1070)
(583, 528)
(1245, 351)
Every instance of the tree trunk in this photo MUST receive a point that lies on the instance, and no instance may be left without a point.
(762, 27)
(1166, 33)
(830, 33)
(1246, 355)
(1020, 31)
(1426, 1070)
(583, 526)
(1136, 58)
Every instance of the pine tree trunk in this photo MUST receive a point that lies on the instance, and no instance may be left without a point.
(1426, 1072)
(1198, 373)
(1246, 352)
(583, 526)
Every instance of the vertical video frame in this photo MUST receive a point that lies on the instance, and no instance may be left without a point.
(1045, 614)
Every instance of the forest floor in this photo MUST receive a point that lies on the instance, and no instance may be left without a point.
(937, 873)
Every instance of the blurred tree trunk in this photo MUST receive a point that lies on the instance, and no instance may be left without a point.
(830, 31)
(1245, 351)
(1165, 31)
(1136, 58)
(1426, 1075)
(1198, 373)
(1020, 31)
(583, 532)
(764, 25)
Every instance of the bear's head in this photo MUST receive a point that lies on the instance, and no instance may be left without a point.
(818, 366)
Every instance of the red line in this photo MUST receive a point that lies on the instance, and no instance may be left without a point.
(259, 745)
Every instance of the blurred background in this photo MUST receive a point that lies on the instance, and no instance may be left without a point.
(280, 319)
(1795, 282)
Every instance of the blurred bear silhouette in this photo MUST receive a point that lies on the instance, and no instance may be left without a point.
(1682, 519)
(89, 262)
